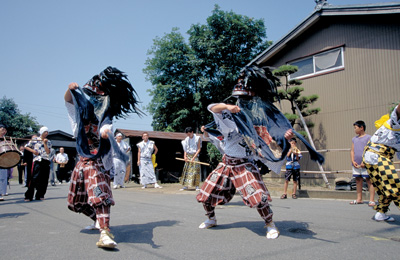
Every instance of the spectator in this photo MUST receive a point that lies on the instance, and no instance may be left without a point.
(28, 158)
(359, 171)
(21, 166)
(62, 169)
(119, 166)
(146, 169)
(52, 159)
(292, 168)
(191, 171)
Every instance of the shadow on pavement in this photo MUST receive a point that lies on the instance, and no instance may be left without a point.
(293, 229)
(137, 233)
(13, 215)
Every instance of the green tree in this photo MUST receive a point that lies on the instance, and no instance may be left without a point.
(18, 125)
(292, 92)
(214, 156)
(393, 106)
(186, 77)
(171, 72)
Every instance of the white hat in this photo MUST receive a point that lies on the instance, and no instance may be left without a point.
(119, 134)
(43, 129)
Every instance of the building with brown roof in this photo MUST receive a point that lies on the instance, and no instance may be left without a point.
(169, 169)
(350, 57)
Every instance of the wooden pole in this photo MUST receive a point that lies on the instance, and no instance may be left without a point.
(202, 163)
(312, 143)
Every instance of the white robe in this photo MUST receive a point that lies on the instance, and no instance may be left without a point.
(146, 168)
(120, 166)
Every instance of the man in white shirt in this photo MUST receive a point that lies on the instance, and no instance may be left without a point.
(191, 171)
(62, 169)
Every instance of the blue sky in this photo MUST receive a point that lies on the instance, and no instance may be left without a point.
(46, 44)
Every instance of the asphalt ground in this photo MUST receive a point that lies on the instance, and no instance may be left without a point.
(163, 224)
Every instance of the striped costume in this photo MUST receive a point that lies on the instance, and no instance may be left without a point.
(191, 171)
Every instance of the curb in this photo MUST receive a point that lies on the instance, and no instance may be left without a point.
(275, 191)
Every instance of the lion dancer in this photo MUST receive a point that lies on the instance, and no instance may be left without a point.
(91, 110)
(245, 134)
(378, 159)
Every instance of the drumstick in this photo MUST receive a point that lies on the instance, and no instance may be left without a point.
(203, 163)
(11, 143)
(15, 145)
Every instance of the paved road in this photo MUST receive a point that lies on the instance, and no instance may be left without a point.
(162, 224)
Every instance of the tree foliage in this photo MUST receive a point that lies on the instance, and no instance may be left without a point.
(292, 92)
(187, 76)
(171, 72)
(18, 125)
(393, 106)
(214, 156)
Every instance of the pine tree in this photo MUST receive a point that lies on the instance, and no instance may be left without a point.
(291, 91)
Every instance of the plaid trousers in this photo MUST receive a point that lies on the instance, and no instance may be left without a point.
(384, 176)
(235, 174)
(90, 192)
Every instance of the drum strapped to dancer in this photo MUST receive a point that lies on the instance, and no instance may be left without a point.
(10, 156)
(7, 160)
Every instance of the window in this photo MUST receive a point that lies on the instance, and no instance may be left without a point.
(318, 63)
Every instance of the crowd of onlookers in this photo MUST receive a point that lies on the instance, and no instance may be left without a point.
(36, 176)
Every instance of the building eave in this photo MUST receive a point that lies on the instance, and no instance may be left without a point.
(152, 134)
(314, 17)
(61, 133)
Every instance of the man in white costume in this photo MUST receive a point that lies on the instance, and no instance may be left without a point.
(119, 165)
(191, 171)
(146, 169)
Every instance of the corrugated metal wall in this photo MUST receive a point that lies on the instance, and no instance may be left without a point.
(364, 90)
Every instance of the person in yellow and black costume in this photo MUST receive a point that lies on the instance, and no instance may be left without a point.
(378, 159)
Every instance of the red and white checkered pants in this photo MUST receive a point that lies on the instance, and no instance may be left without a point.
(90, 192)
(235, 174)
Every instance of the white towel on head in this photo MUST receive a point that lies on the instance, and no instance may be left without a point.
(43, 129)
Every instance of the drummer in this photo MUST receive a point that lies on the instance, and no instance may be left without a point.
(3, 172)
(40, 147)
